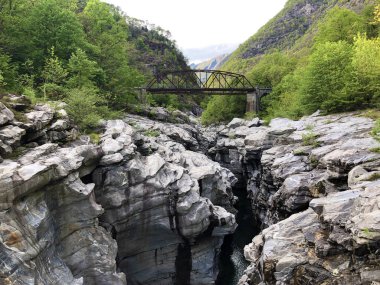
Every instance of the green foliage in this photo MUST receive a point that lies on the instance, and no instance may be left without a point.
(33, 27)
(340, 24)
(30, 93)
(152, 133)
(82, 70)
(250, 115)
(223, 109)
(87, 108)
(271, 68)
(333, 66)
(95, 138)
(310, 138)
(365, 82)
(376, 149)
(376, 130)
(7, 72)
(54, 76)
(326, 76)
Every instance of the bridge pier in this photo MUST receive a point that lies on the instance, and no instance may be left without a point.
(253, 102)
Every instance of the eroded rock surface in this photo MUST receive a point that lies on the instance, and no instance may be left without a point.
(314, 187)
(153, 201)
(166, 206)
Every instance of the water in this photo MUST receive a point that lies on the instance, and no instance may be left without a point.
(232, 262)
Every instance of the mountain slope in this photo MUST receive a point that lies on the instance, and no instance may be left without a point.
(293, 27)
(214, 63)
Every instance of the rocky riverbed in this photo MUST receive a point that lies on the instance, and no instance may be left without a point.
(152, 201)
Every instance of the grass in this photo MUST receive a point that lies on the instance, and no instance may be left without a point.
(376, 130)
(373, 114)
(250, 115)
(152, 133)
(375, 149)
(94, 138)
(309, 127)
(300, 152)
(310, 138)
(373, 177)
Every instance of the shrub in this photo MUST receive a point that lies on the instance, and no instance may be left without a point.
(223, 109)
(87, 108)
(310, 139)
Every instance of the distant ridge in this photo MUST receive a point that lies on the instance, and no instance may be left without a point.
(213, 63)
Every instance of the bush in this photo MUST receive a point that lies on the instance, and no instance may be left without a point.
(223, 109)
(87, 108)
(30, 94)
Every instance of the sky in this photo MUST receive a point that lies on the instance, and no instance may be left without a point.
(202, 23)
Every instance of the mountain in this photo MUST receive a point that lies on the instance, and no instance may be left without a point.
(293, 28)
(315, 55)
(198, 55)
(214, 63)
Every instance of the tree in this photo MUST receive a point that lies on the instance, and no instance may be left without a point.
(82, 70)
(271, 68)
(325, 77)
(36, 26)
(366, 72)
(340, 24)
(107, 30)
(54, 76)
(223, 109)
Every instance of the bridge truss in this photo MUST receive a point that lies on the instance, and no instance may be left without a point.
(212, 82)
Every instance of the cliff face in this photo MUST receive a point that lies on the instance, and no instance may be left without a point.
(314, 186)
(49, 232)
(139, 203)
(153, 201)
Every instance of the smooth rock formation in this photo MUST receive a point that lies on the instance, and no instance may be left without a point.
(163, 204)
(152, 203)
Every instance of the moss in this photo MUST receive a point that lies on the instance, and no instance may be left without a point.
(300, 152)
(313, 161)
(95, 138)
(373, 177)
(152, 133)
(16, 153)
(376, 149)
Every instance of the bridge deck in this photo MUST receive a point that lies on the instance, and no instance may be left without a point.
(209, 91)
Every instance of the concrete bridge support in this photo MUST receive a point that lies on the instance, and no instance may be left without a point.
(253, 102)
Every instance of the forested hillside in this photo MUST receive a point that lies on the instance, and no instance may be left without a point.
(315, 55)
(84, 52)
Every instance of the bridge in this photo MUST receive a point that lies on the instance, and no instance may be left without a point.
(210, 82)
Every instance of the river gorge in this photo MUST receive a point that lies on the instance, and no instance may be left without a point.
(167, 201)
